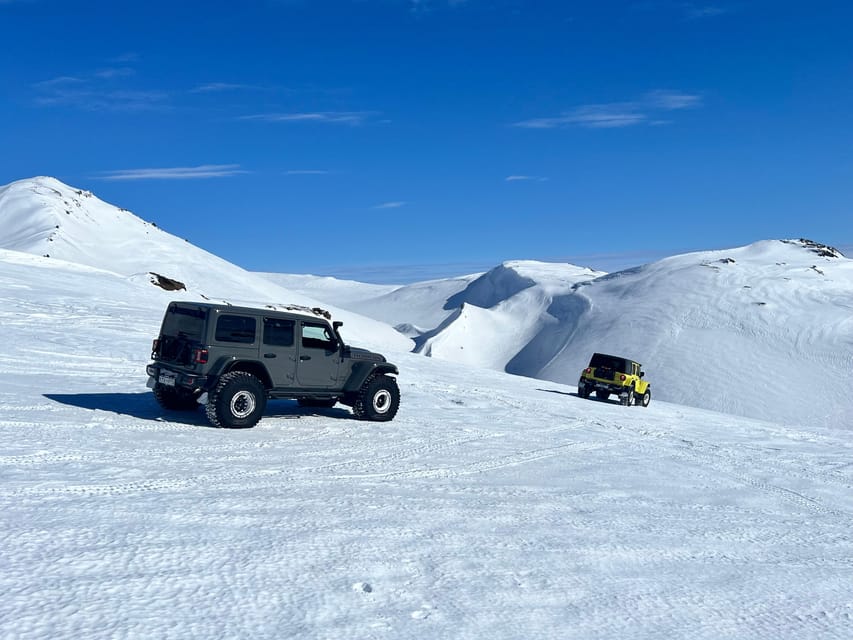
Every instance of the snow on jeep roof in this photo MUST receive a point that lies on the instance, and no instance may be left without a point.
(312, 312)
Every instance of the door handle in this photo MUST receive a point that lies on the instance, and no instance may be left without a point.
(269, 355)
(304, 358)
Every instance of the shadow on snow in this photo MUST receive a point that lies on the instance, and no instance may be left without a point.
(574, 394)
(144, 407)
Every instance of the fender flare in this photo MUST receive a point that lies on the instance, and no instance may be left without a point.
(231, 363)
(364, 370)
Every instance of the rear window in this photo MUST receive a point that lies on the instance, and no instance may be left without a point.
(184, 322)
(610, 362)
(235, 329)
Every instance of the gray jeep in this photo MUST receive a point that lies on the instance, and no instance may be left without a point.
(232, 359)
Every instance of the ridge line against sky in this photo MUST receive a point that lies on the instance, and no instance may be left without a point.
(442, 132)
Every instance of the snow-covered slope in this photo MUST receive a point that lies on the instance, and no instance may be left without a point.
(46, 218)
(493, 506)
(414, 309)
(764, 330)
(512, 299)
(500, 312)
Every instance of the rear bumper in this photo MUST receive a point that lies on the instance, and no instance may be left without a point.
(175, 378)
(591, 384)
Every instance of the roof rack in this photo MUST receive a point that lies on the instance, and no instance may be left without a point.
(317, 311)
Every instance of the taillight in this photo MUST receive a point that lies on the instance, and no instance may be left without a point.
(155, 346)
(623, 377)
(200, 356)
(587, 370)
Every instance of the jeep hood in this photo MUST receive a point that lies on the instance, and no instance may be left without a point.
(363, 354)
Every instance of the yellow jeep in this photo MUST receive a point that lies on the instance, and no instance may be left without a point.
(614, 375)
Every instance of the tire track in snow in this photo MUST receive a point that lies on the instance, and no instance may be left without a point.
(148, 485)
(731, 462)
(487, 464)
(431, 446)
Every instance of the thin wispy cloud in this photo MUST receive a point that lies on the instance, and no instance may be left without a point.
(391, 205)
(99, 91)
(125, 58)
(695, 12)
(426, 6)
(519, 178)
(114, 72)
(613, 115)
(688, 10)
(671, 100)
(218, 87)
(352, 118)
(175, 173)
(59, 81)
(91, 100)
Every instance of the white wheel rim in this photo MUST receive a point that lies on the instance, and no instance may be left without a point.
(242, 404)
(382, 401)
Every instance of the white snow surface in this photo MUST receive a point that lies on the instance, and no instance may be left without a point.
(493, 506)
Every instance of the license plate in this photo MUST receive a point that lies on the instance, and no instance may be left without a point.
(166, 379)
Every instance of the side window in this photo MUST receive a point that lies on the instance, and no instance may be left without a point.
(317, 336)
(235, 329)
(278, 332)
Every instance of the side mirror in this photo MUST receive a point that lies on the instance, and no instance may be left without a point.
(642, 373)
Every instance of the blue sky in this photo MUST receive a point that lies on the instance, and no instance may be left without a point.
(392, 140)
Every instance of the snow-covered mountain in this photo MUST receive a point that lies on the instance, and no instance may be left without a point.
(757, 331)
(492, 506)
(44, 217)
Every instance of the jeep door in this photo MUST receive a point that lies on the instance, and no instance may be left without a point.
(319, 356)
(278, 350)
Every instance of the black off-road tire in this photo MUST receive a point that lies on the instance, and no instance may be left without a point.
(583, 391)
(645, 399)
(174, 398)
(323, 403)
(602, 395)
(377, 400)
(237, 401)
(628, 399)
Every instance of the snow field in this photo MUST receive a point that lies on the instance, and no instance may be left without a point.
(492, 506)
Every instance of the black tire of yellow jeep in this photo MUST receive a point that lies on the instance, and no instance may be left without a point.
(646, 398)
